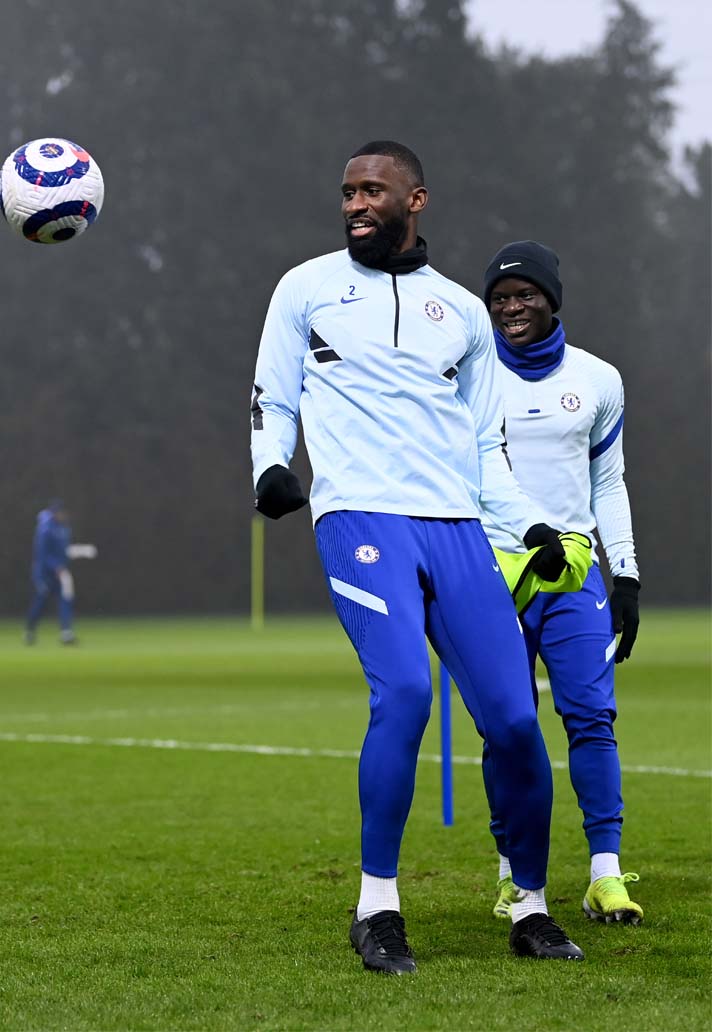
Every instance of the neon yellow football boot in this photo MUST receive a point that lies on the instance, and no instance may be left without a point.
(507, 895)
(607, 900)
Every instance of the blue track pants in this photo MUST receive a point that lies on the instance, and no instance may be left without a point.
(573, 634)
(45, 585)
(394, 580)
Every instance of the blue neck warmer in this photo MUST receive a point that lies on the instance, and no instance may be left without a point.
(533, 361)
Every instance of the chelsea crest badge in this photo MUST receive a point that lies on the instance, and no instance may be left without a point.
(367, 554)
(570, 401)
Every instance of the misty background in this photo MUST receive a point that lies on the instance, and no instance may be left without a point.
(222, 130)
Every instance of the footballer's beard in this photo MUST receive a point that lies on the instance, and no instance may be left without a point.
(374, 251)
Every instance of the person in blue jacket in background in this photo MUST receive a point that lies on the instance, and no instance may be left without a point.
(52, 551)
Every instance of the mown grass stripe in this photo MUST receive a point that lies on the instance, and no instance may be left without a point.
(287, 750)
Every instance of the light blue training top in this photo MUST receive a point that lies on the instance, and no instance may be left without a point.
(397, 383)
(565, 442)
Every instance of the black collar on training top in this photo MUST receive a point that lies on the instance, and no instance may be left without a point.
(407, 261)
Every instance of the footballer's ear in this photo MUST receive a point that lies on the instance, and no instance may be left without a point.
(418, 200)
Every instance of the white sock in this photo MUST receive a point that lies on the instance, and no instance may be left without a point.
(504, 869)
(605, 865)
(377, 894)
(531, 901)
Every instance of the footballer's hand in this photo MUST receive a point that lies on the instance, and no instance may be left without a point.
(550, 563)
(624, 612)
(278, 492)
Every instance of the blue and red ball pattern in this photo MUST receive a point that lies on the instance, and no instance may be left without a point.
(50, 190)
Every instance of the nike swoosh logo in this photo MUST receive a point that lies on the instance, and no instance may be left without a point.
(509, 265)
(600, 605)
(350, 300)
(495, 568)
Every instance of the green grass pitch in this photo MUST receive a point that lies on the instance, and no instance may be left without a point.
(211, 888)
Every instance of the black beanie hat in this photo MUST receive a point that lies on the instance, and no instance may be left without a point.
(527, 260)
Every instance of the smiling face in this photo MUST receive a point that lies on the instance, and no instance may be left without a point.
(380, 205)
(520, 311)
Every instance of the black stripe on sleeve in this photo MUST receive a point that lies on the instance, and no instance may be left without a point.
(504, 443)
(315, 341)
(256, 408)
(322, 351)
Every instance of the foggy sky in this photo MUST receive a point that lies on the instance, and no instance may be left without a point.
(556, 27)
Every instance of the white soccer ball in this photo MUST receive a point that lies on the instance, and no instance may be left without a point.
(50, 190)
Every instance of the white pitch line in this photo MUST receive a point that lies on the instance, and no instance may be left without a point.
(287, 750)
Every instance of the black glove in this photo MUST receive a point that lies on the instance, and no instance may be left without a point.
(550, 563)
(624, 611)
(278, 492)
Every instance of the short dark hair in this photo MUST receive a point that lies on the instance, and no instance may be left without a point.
(403, 157)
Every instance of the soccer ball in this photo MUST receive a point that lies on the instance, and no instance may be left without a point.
(50, 190)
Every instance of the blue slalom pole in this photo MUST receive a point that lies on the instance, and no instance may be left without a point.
(446, 747)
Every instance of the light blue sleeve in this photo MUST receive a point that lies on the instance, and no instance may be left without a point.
(278, 376)
(609, 497)
(501, 497)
